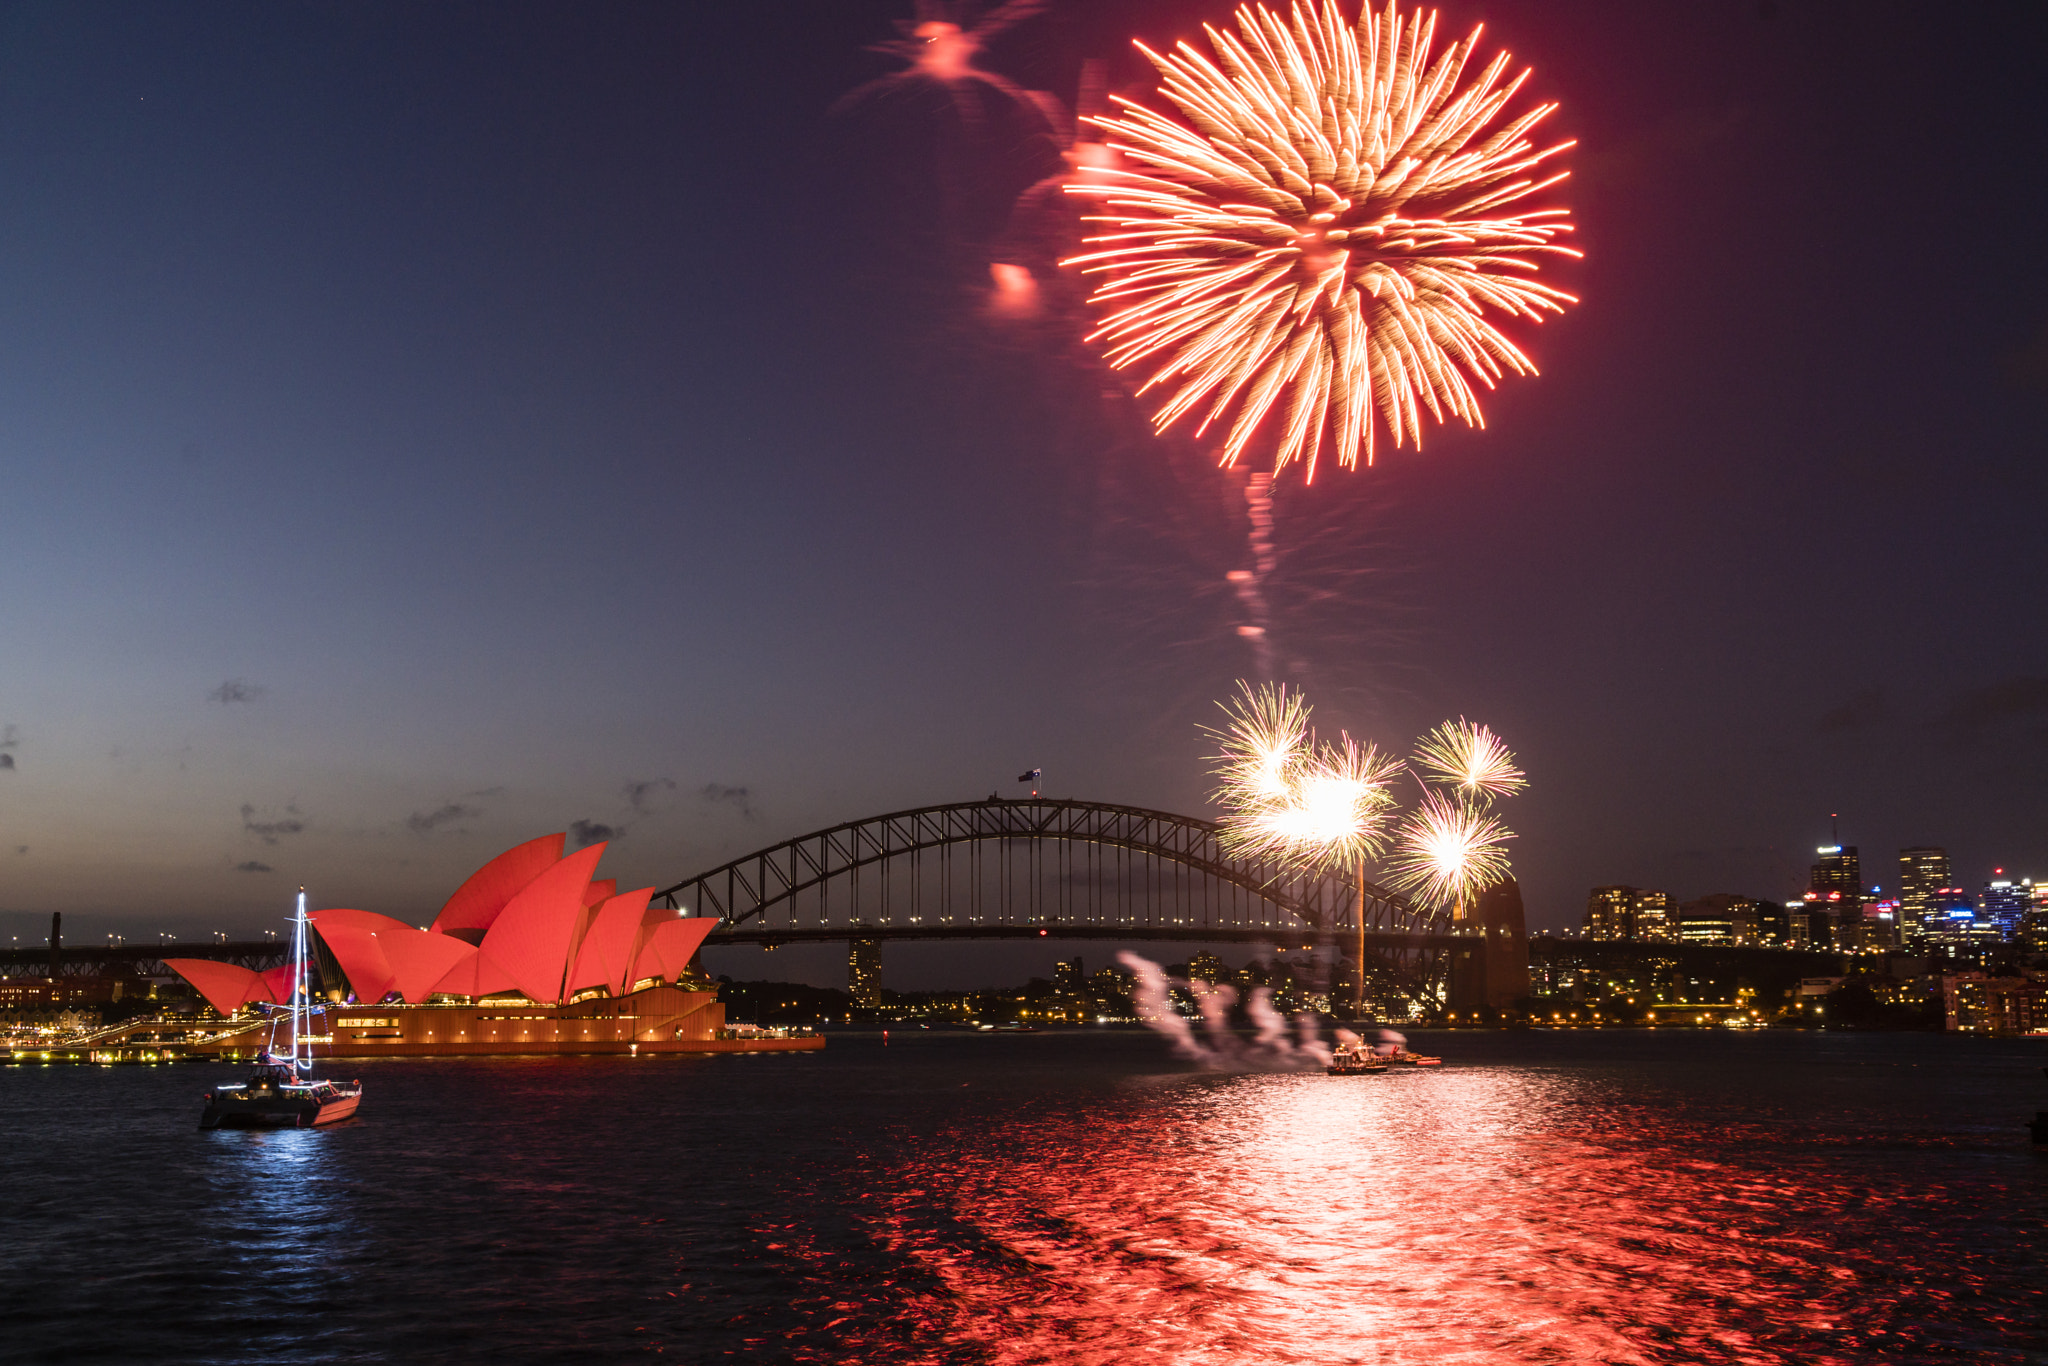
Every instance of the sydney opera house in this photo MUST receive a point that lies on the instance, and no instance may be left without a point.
(532, 954)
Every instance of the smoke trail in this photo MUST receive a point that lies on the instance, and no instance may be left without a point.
(1155, 1007)
(1268, 1051)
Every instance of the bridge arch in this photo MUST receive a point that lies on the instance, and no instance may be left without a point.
(1070, 869)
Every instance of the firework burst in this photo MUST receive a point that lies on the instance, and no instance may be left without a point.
(1286, 796)
(1260, 745)
(1324, 233)
(1470, 758)
(1448, 851)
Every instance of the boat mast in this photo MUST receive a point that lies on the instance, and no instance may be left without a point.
(299, 981)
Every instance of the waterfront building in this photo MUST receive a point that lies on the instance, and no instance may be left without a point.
(864, 972)
(532, 954)
(1207, 967)
(1067, 978)
(1630, 913)
(1976, 1003)
(1113, 982)
(1725, 918)
(1656, 918)
(1923, 871)
(1610, 913)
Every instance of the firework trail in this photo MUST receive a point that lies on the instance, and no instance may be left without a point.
(939, 48)
(1319, 240)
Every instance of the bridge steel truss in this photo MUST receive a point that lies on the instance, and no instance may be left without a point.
(1057, 869)
(87, 959)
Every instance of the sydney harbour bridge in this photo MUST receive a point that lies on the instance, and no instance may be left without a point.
(1022, 869)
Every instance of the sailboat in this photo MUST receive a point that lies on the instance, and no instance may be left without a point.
(279, 1091)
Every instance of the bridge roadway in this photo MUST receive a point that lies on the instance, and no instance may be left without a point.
(260, 955)
(1379, 941)
(131, 960)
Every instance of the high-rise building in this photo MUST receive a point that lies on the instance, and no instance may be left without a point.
(2004, 902)
(1774, 925)
(1923, 871)
(864, 972)
(1066, 975)
(1706, 921)
(1656, 915)
(1839, 870)
(1959, 929)
(1725, 918)
(1207, 967)
(1610, 913)
(1631, 913)
(1798, 930)
(2034, 929)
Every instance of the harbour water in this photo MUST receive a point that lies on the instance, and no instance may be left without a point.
(1062, 1198)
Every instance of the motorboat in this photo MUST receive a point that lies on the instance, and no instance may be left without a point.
(279, 1091)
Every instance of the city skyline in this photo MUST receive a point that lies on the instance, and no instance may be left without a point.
(412, 456)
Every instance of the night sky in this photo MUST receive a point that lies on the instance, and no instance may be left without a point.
(428, 426)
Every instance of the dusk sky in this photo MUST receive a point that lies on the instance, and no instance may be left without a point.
(426, 426)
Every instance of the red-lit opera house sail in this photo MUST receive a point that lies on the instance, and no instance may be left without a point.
(478, 901)
(606, 954)
(530, 921)
(227, 988)
(669, 946)
(534, 936)
(375, 949)
(357, 948)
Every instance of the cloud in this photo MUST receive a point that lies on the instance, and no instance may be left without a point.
(10, 739)
(2014, 699)
(252, 866)
(236, 690)
(582, 833)
(641, 796)
(269, 831)
(427, 822)
(6, 761)
(739, 798)
(1866, 708)
(21, 849)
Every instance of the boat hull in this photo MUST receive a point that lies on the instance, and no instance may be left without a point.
(229, 1111)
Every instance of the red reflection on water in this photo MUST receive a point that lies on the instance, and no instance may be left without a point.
(1482, 1216)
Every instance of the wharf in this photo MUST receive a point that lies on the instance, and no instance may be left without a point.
(658, 1020)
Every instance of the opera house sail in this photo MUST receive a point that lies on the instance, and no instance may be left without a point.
(533, 954)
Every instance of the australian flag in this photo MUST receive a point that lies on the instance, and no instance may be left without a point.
(1033, 776)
